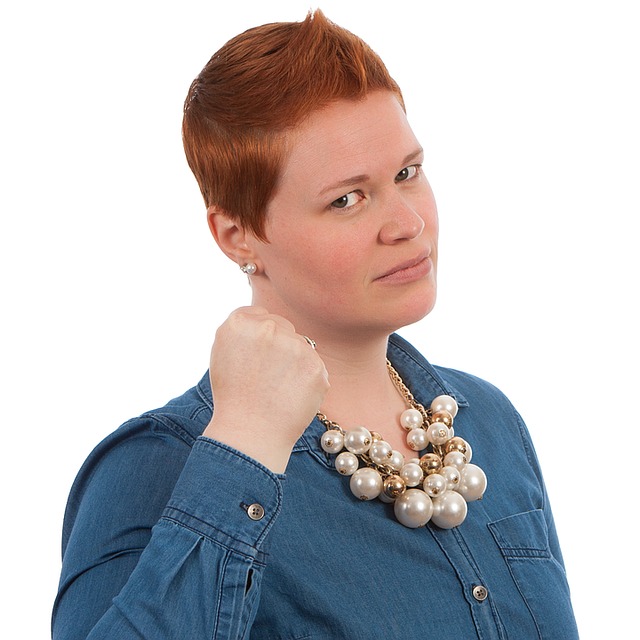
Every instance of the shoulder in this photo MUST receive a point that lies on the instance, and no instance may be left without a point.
(135, 468)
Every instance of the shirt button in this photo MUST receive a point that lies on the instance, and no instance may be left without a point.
(255, 511)
(480, 593)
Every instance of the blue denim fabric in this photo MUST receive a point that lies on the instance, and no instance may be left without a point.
(158, 542)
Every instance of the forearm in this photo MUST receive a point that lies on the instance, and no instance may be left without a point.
(200, 573)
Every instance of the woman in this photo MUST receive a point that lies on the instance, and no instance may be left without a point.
(190, 522)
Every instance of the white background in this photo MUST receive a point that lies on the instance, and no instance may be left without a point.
(112, 288)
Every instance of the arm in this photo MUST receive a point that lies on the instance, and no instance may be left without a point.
(199, 575)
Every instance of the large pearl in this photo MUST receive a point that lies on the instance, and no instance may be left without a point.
(358, 440)
(346, 463)
(417, 439)
(380, 452)
(411, 419)
(473, 482)
(444, 403)
(332, 441)
(412, 474)
(413, 508)
(449, 510)
(366, 483)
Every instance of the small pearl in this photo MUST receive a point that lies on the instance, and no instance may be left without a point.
(438, 433)
(332, 441)
(417, 439)
(380, 452)
(449, 510)
(412, 474)
(358, 440)
(455, 459)
(444, 403)
(411, 419)
(413, 508)
(366, 483)
(452, 476)
(397, 460)
(347, 463)
(473, 482)
(434, 485)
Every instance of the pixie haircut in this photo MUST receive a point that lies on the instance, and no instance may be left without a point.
(254, 91)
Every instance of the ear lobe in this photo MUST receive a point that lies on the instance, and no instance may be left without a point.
(229, 235)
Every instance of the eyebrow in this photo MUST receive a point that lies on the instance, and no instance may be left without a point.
(363, 177)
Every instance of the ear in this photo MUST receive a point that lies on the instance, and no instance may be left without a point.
(230, 236)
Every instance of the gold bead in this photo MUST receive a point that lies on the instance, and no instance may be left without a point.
(394, 486)
(375, 436)
(430, 463)
(457, 444)
(442, 416)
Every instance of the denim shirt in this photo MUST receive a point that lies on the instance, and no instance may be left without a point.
(169, 534)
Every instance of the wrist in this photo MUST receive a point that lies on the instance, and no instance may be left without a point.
(257, 441)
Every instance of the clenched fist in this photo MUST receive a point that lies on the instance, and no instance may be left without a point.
(267, 382)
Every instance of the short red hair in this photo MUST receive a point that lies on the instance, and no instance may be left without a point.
(255, 89)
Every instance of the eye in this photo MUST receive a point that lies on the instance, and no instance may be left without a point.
(408, 172)
(347, 200)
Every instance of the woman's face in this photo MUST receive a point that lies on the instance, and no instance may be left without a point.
(352, 227)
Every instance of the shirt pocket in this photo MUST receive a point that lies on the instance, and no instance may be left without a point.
(541, 580)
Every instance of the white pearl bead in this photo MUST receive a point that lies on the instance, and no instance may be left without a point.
(358, 440)
(449, 510)
(380, 452)
(397, 460)
(444, 403)
(452, 476)
(417, 439)
(346, 463)
(411, 419)
(438, 433)
(413, 508)
(473, 482)
(332, 441)
(434, 485)
(455, 459)
(412, 474)
(366, 483)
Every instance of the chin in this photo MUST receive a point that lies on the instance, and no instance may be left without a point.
(415, 310)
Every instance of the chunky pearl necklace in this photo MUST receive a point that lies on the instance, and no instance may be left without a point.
(435, 487)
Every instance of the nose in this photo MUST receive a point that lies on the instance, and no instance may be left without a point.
(402, 222)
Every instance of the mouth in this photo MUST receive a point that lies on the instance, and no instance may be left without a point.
(408, 270)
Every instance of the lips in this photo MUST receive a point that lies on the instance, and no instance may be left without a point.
(417, 266)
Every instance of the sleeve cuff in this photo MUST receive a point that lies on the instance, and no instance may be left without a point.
(226, 496)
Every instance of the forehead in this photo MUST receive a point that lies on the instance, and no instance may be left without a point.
(349, 137)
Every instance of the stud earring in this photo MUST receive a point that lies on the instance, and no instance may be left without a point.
(250, 268)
